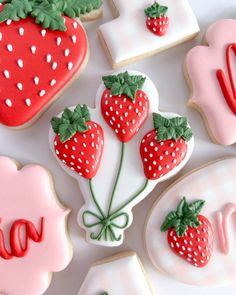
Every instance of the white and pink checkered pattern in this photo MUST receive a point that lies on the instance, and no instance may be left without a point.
(121, 274)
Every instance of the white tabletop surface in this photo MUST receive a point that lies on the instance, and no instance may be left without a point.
(165, 69)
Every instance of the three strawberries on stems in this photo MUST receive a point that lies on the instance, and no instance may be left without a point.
(79, 144)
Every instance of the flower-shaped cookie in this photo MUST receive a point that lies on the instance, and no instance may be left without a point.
(211, 74)
(33, 239)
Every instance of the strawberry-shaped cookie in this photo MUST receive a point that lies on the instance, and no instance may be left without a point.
(190, 234)
(157, 20)
(165, 147)
(79, 141)
(42, 49)
(124, 105)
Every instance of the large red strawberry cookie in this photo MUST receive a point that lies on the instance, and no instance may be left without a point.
(41, 51)
(100, 148)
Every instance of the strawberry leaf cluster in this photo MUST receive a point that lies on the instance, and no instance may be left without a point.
(47, 13)
(124, 83)
(71, 122)
(173, 128)
(156, 10)
(184, 217)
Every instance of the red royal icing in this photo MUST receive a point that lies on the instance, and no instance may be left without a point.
(20, 248)
(229, 91)
(35, 65)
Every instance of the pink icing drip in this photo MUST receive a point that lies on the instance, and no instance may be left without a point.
(222, 222)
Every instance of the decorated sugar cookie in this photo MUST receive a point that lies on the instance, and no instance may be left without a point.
(119, 152)
(33, 238)
(42, 49)
(145, 27)
(212, 81)
(109, 277)
(190, 232)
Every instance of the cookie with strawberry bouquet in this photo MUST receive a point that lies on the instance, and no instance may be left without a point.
(104, 150)
(43, 48)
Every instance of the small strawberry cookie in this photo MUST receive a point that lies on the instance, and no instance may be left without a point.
(142, 28)
(110, 143)
(109, 277)
(42, 49)
(33, 236)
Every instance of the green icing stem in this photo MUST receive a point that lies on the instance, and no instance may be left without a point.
(108, 223)
(118, 176)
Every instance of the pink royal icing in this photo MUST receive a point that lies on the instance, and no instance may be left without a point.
(222, 221)
(212, 75)
(31, 214)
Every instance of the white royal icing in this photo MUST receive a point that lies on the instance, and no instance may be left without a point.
(119, 275)
(127, 37)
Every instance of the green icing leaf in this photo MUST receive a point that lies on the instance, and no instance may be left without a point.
(16, 10)
(196, 206)
(75, 8)
(85, 113)
(67, 114)
(169, 221)
(55, 122)
(48, 16)
(124, 84)
(180, 227)
(185, 216)
(80, 125)
(47, 13)
(66, 132)
(71, 122)
(173, 128)
(156, 10)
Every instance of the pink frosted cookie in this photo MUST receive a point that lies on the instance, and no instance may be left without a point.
(116, 275)
(119, 151)
(211, 76)
(40, 54)
(190, 232)
(145, 27)
(33, 238)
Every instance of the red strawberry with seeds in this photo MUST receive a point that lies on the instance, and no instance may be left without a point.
(124, 105)
(157, 20)
(79, 141)
(41, 51)
(190, 234)
(165, 147)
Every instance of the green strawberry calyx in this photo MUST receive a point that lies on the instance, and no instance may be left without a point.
(156, 10)
(71, 122)
(48, 13)
(173, 128)
(124, 83)
(184, 217)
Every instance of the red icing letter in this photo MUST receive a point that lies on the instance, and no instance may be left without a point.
(228, 91)
(18, 248)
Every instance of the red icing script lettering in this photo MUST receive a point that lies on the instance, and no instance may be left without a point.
(228, 91)
(18, 247)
